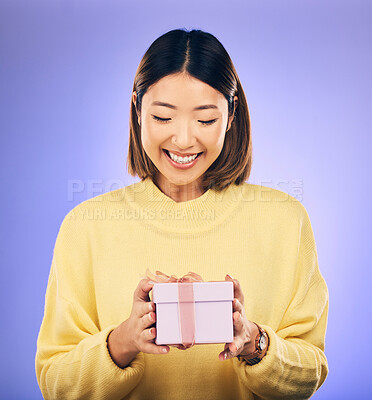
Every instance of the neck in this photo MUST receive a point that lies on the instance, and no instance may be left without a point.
(182, 192)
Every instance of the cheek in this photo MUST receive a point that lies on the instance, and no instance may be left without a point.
(150, 136)
(216, 139)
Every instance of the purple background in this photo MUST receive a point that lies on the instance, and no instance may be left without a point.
(67, 70)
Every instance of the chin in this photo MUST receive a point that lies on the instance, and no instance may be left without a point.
(179, 181)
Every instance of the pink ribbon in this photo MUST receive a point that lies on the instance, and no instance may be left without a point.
(186, 302)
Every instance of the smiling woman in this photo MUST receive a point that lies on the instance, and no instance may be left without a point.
(190, 144)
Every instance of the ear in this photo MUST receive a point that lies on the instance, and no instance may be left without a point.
(233, 114)
(134, 99)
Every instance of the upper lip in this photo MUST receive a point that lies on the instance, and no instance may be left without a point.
(182, 154)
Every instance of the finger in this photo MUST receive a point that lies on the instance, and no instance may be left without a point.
(238, 293)
(147, 307)
(141, 308)
(149, 334)
(148, 319)
(231, 350)
(224, 355)
(237, 306)
(142, 290)
(153, 348)
(238, 323)
(238, 327)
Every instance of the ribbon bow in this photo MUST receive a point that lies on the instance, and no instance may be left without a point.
(160, 277)
(186, 303)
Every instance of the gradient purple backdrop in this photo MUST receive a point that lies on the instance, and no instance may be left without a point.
(67, 70)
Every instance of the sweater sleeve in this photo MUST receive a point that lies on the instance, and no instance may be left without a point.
(72, 358)
(295, 365)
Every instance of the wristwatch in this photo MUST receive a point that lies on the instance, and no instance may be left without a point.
(261, 342)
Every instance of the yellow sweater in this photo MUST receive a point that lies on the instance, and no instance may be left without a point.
(260, 236)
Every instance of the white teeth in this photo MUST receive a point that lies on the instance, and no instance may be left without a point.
(182, 160)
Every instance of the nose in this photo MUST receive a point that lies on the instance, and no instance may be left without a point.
(183, 137)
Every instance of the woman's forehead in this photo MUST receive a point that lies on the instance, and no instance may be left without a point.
(180, 92)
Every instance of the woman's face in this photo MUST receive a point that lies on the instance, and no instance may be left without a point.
(184, 116)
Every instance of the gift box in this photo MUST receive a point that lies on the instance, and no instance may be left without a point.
(193, 312)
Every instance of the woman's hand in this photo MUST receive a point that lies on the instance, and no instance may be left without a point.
(141, 323)
(245, 331)
(138, 332)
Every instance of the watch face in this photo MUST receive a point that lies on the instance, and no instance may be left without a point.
(262, 342)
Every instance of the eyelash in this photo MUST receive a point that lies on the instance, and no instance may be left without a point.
(162, 120)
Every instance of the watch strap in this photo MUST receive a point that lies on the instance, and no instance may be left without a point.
(251, 361)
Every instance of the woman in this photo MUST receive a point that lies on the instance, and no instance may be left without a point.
(190, 144)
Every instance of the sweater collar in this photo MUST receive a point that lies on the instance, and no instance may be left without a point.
(154, 207)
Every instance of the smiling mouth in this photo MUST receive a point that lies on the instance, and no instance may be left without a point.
(167, 153)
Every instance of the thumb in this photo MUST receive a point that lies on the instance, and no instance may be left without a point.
(143, 289)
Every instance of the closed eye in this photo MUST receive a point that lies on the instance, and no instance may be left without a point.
(212, 121)
(165, 120)
(160, 119)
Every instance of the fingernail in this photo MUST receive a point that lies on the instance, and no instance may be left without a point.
(236, 316)
(164, 350)
(225, 356)
(229, 276)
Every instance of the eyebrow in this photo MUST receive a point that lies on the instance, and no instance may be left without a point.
(204, 107)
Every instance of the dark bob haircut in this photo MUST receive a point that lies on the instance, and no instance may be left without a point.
(203, 57)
